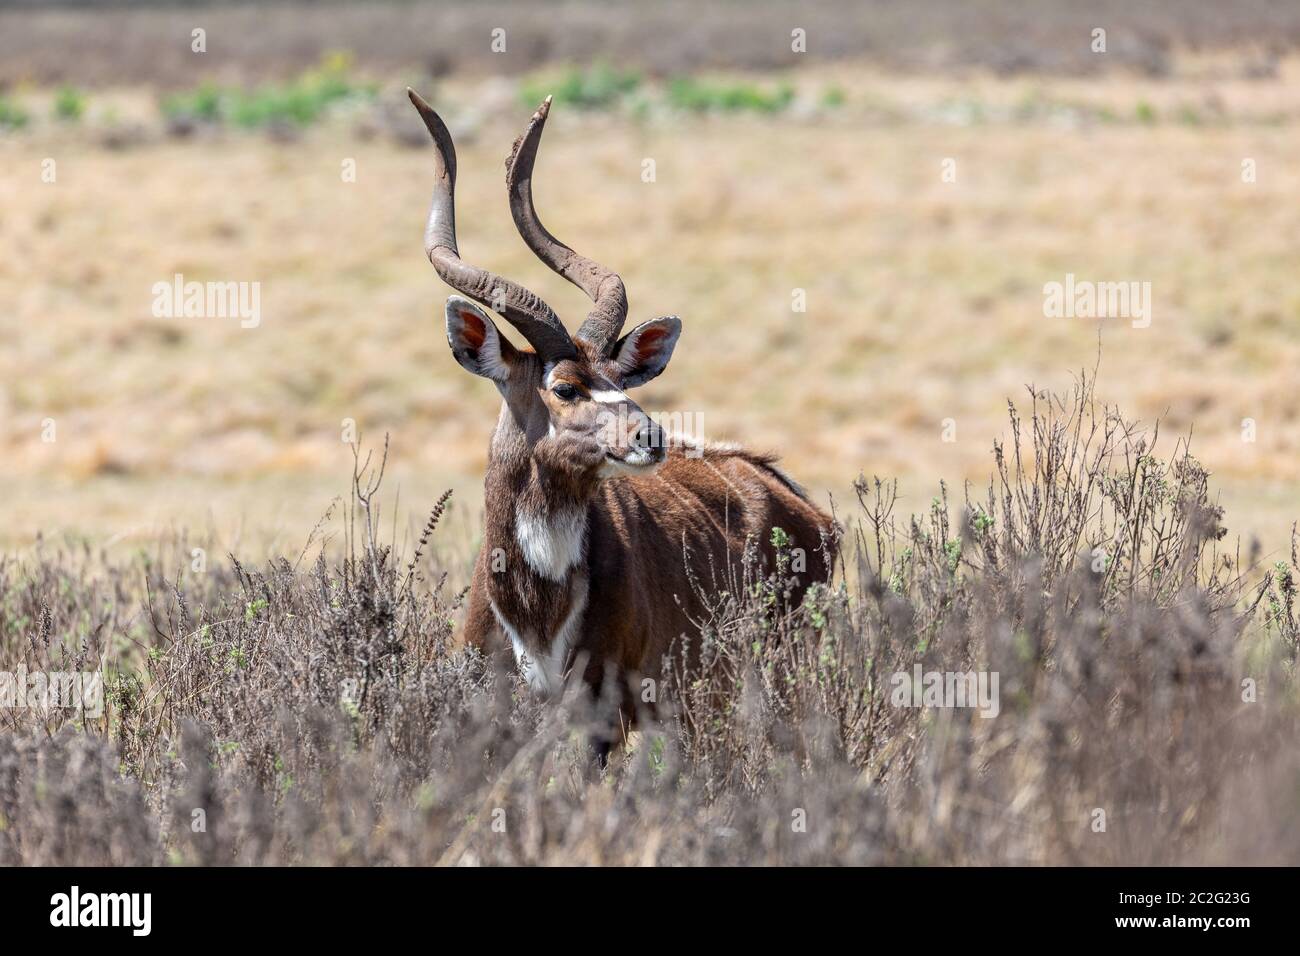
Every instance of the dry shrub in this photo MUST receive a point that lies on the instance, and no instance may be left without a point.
(325, 715)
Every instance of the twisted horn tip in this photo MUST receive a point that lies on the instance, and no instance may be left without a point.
(417, 100)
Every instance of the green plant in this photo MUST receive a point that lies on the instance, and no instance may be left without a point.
(203, 103)
(701, 96)
(600, 87)
(69, 104)
(300, 102)
(12, 116)
(833, 97)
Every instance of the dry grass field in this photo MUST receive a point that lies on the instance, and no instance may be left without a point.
(924, 298)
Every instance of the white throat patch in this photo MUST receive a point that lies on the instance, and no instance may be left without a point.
(552, 544)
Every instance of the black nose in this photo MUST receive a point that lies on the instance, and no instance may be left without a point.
(650, 436)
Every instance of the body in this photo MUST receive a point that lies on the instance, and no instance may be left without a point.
(612, 587)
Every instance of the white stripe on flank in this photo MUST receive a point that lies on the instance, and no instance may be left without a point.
(544, 670)
(522, 657)
(554, 666)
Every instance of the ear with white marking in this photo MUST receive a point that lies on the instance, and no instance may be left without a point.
(475, 341)
(644, 352)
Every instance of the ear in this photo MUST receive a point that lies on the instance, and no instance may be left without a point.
(644, 352)
(475, 341)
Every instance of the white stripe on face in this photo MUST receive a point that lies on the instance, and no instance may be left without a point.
(603, 396)
(607, 393)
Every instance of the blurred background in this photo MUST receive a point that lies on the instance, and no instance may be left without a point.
(856, 234)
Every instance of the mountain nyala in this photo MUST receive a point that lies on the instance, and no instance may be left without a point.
(601, 529)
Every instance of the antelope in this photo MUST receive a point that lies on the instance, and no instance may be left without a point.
(595, 519)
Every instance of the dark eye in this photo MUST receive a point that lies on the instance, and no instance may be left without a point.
(565, 391)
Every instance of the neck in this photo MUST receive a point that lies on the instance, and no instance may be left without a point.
(536, 522)
(535, 549)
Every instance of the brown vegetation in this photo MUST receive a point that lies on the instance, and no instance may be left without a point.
(319, 713)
